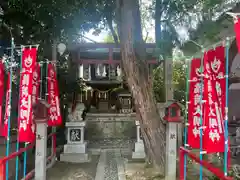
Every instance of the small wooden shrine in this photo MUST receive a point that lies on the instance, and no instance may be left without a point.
(99, 67)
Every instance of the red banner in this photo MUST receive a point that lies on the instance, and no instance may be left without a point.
(1, 94)
(237, 32)
(214, 94)
(7, 109)
(36, 80)
(194, 107)
(55, 118)
(26, 128)
(35, 91)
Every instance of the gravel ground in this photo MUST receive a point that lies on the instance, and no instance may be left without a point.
(73, 171)
(110, 170)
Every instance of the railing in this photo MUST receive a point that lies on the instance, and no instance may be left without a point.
(22, 150)
(217, 172)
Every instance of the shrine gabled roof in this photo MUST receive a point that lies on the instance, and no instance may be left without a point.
(103, 51)
(167, 104)
(104, 47)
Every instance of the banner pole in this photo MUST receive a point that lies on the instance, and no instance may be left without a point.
(226, 147)
(41, 81)
(201, 115)
(17, 146)
(188, 62)
(54, 58)
(10, 105)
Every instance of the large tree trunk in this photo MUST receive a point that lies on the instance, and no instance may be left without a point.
(134, 65)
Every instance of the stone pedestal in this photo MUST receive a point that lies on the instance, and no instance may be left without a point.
(75, 149)
(171, 151)
(41, 151)
(40, 113)
(139, 151)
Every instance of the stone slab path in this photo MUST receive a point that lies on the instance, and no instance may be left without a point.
(110, 166)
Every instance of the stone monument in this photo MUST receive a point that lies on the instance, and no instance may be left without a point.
(139, 150)
(75, 149)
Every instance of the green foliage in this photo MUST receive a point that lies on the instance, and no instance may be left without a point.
(158, 84)
(179, 81)
(108, 39)
(42, 21)
(207, 23)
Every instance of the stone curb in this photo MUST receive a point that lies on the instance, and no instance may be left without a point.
(101, 166)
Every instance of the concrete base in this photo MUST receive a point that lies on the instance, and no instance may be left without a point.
(75, 148)
(139, 152)
(75, 153)
(170, 177)
(74, 157)
(138, 155)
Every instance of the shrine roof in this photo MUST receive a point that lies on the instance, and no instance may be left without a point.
(77, 46)
(169, 103)
(93, 50)
(105, 51)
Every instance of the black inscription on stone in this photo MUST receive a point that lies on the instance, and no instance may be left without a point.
(172, 136)
(75, 135)
(140, 134)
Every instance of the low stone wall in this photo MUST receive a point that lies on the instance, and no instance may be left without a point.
(115, 126)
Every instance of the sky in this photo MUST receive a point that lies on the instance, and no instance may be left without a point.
(181, 31)
(96, 38)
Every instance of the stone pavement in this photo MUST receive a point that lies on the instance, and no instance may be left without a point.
(110, 166)
(73, 171)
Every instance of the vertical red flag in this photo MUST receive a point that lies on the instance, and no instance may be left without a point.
(36, 83)
(194, 106)
(7, 109)
(55, 118)
(35, 92)
(1, 94)
(26, 128)
(214, 94)
(237, 32)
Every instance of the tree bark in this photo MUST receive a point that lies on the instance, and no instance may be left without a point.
(134, 65)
